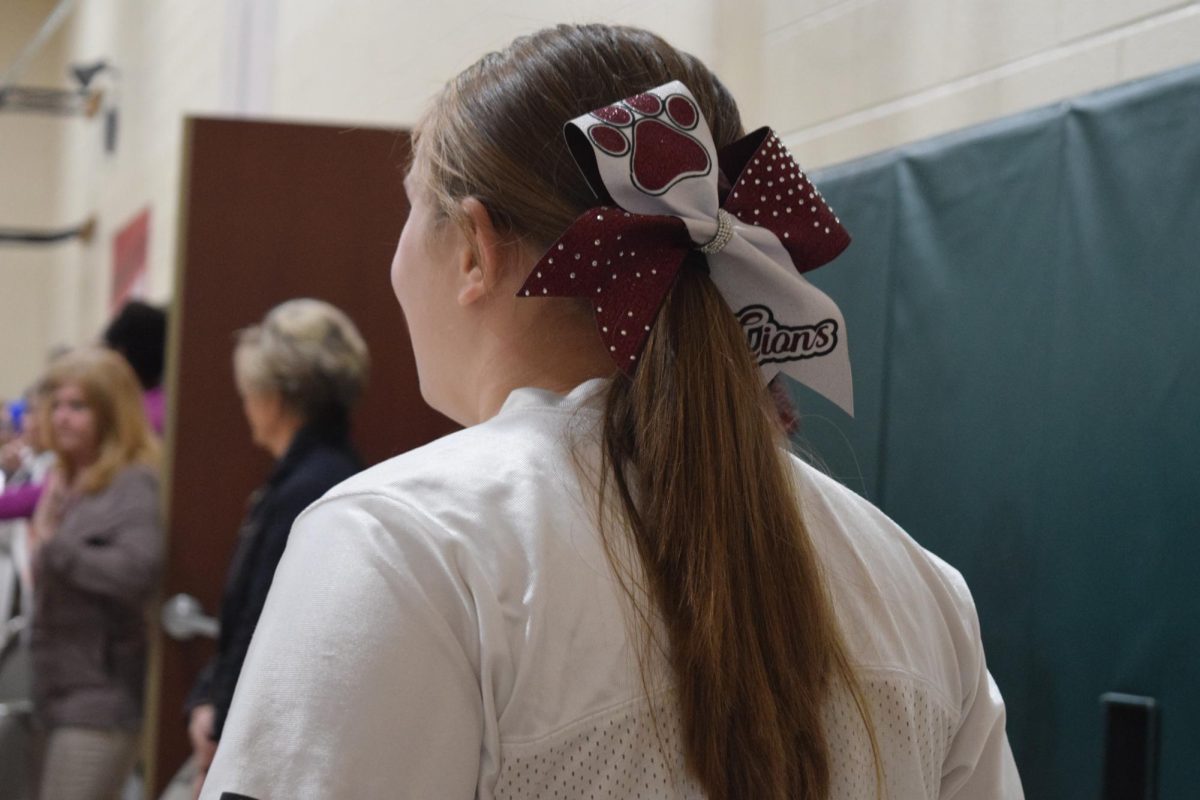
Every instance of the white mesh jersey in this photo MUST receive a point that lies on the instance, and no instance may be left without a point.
(447, 625)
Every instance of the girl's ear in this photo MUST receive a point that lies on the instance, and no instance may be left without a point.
(482, 261)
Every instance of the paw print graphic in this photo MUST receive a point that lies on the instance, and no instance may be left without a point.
(652, 133)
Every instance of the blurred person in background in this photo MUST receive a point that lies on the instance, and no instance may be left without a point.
(300, 373)
(27, 459)
(97, 554)
(8, 434)
(139, 333)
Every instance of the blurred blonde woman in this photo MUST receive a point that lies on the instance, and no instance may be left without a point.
(300, 372)
(97, 555)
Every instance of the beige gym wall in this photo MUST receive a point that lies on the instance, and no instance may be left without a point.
(838, 78)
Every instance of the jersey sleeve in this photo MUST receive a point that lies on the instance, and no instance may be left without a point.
(979, 763)
(362, 677)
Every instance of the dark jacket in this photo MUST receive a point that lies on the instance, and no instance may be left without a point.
(92, 582)
(317, 459)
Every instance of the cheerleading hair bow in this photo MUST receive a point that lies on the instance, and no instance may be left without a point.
(652, 162)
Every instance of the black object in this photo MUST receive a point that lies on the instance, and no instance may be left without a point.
(21, 236)
(86, 73)
(110, 131)
(139, 332)
(1130, 747)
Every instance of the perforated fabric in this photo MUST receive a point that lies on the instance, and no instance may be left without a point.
(912, 727)
(613, 754)
(618, 754)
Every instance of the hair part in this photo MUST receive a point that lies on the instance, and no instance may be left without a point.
(114, 395)
(692, 462)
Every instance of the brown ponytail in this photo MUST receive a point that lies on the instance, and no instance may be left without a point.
(696, 464)
(752, 639)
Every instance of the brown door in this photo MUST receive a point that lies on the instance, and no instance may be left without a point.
(270, 212)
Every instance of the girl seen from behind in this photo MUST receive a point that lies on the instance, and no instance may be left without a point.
(616, 581)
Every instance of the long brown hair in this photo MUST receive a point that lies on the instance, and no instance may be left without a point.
(112, 392)
(690, 452)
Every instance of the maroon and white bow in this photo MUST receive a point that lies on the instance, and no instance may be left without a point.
(651, 160)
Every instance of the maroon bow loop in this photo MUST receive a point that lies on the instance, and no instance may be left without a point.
(624, 264)
(771, 191)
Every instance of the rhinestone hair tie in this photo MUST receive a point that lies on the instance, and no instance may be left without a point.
(722, 236)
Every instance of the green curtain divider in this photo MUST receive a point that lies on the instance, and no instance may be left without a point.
(1022, 301)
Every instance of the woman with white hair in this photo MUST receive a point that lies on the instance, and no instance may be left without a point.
(300, 372)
